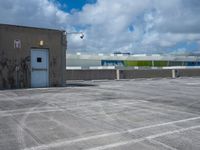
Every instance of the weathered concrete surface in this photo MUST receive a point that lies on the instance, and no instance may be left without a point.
(153, 114)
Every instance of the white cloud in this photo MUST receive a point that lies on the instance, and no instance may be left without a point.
(156, 24)
(168, 39)
(39, 13)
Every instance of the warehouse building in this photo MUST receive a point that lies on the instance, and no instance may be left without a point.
(31, 57)
(83, 66)
(88, 61)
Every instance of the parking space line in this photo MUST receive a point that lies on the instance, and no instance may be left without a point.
(6, 114)
(143, 139)
(162, 144)
(163, 124)
(66, 142)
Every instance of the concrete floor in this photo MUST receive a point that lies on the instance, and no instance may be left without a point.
(142, 114)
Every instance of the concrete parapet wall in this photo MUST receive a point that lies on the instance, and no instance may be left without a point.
(188, 72)
(90, 74)
(129, 74)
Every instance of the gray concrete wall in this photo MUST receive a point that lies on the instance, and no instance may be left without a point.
(127, 74)
(90, 74)
(188, 72)
(12, 57)
(131, 74)
(84, 63)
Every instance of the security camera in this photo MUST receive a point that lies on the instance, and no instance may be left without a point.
(82, 36)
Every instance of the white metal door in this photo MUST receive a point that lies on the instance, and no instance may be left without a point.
(39, 68)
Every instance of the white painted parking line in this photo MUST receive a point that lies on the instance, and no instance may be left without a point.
(66, 142)
(192, 83)
(5, 114)
(163, 124)
(142, 139)
(162, 144)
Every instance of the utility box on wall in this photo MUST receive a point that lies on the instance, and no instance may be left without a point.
(31, 57)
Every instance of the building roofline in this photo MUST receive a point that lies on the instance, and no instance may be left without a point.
(31, 27)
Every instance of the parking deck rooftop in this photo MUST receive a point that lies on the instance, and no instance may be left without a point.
(142, 114)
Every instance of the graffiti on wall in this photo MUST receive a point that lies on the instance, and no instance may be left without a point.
(53, 65)
(14, 72)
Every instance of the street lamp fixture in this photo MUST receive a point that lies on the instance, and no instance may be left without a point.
(81, 34)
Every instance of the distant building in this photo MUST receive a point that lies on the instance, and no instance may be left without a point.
(86, 61)
(31, 57)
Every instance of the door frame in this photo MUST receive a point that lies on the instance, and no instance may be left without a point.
(48, 72)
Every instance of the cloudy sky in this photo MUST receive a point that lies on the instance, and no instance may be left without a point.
(136, 26)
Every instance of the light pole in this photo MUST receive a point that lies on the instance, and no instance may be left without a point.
(70, 33)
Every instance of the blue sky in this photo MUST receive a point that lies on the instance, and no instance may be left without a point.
(135, 26)
(69, 5)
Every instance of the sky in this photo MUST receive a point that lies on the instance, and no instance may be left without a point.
(135, 26)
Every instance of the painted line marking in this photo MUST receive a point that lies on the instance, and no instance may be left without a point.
(142, 139)
(66, 142)
(193, 83)
(33, 112)
(162, 144)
